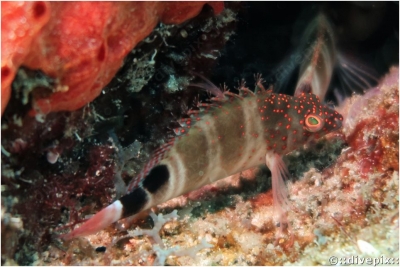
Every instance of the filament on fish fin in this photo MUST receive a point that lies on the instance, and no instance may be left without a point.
(207, 85)
(259, 83)
(243, 90)
(354, 78)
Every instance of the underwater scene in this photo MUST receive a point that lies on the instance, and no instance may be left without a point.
(200, 133)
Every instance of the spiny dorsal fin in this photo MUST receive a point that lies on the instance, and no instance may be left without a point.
(259, 83)
(207, 85)
(243, 90)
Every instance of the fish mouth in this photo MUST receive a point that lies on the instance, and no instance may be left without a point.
(335, 118)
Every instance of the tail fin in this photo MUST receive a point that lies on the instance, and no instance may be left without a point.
(315, 57)
(99, 221)
(130, 204)
(317, 67)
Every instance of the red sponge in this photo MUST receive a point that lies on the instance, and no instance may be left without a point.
(82, 44)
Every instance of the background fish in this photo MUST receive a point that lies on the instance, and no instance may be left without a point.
(271, 40)
(319, 59)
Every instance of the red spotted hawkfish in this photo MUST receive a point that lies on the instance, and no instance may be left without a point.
(233, 133)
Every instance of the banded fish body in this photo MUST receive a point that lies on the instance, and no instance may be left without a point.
(235, 133)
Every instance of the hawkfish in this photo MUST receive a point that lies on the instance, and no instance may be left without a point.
(233, 133)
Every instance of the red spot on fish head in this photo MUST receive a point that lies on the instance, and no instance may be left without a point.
(296, 119)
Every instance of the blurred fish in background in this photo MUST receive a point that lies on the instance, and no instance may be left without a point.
(332, 49)
(326, 49)
(317, 58)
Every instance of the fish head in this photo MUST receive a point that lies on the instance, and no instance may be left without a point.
(296, 120)
(316, 118)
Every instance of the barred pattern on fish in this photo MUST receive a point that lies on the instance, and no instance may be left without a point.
(234, 133)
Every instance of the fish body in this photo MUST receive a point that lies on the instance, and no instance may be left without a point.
(235, 133)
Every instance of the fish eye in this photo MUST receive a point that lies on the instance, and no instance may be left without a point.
(313, 123)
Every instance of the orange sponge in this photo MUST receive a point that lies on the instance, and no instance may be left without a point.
(82, 44)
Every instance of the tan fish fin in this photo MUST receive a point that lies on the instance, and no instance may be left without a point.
(279, 174)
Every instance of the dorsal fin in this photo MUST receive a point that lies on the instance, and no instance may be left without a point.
(243, 90)
(259, 83)
(207, 85)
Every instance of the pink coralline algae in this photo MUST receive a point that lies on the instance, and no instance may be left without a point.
(373, 147)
